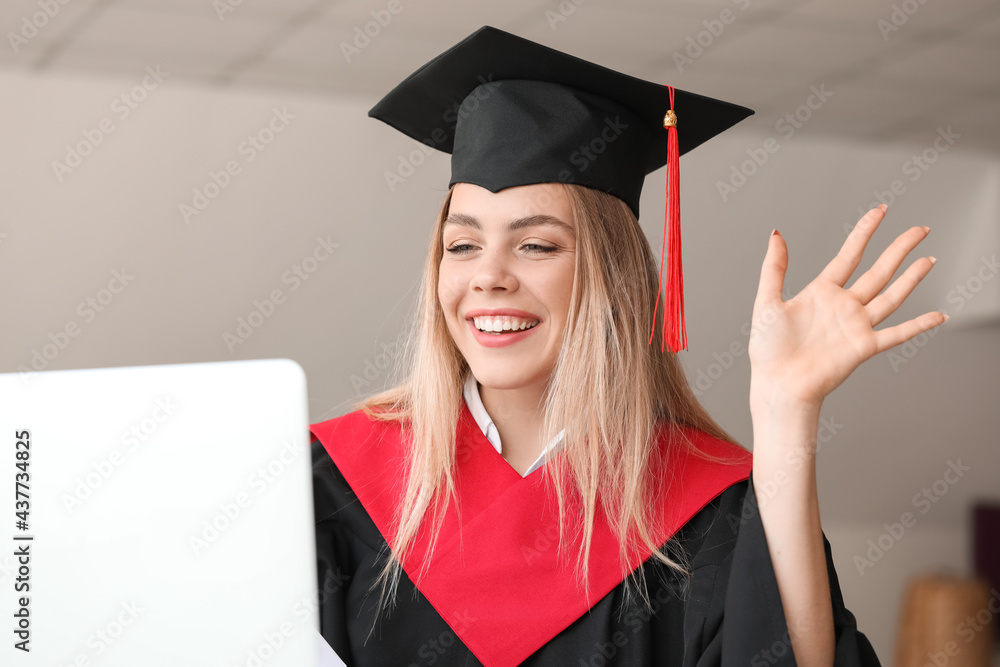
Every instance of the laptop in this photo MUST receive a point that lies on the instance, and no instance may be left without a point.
(158, 516)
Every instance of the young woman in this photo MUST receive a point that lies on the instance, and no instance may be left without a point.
(545, 489)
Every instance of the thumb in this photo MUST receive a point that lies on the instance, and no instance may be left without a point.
(772, 272)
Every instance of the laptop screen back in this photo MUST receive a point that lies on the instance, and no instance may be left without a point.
(157, 516)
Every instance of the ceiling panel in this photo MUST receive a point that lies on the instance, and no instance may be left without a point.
(765, 54)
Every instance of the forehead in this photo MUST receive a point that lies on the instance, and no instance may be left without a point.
(524, 201)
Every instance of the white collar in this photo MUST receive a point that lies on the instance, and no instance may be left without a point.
(475, 402)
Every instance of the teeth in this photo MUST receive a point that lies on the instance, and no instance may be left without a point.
(504, 323)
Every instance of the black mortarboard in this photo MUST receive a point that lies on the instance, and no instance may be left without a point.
(513, 112)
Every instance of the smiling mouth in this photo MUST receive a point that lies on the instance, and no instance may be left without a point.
(499, 326)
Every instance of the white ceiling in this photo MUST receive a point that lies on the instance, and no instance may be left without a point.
(937, 68)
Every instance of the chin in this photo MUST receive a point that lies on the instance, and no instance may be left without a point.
(505, 376)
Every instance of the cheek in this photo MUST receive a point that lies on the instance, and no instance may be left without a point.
(562, 291)
(448, 291)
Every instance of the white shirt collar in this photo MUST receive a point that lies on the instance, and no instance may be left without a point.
(475, 402)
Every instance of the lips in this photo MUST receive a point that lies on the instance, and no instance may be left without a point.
(500, 339)
(500, 312)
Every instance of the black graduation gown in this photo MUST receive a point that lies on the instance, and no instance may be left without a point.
(731, 613)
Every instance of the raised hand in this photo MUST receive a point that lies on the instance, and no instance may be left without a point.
(802, 349)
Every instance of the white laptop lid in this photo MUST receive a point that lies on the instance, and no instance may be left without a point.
(168, 517)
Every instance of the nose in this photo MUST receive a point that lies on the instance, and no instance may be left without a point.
(494, 271)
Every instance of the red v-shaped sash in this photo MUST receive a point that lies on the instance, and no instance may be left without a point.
(497, 577)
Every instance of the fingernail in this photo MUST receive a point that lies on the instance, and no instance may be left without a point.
(946, 317)
(775, 232)
(884, 207)
(933, 259)
(926, 229)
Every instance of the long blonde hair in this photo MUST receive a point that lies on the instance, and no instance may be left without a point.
(611, 390)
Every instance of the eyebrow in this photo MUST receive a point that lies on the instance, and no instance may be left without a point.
(514, 225)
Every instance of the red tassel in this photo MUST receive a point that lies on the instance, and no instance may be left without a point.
(674, 330)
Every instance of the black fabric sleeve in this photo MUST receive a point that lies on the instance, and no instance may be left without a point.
(350, 554)
(332, 550)
(741, 620)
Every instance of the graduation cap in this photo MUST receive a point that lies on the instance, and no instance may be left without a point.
(513, 112)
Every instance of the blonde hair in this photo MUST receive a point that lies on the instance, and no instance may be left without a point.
(611, 390)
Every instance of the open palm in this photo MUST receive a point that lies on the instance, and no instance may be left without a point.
(804, 348)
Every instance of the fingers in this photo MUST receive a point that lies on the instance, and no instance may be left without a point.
(893, 336)
(772, 272)
(841, 267)
(878, 276)
(885, 304)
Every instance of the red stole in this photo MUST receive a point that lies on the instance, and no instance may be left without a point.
(496, 576)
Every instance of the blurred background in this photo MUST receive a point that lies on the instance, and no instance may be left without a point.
(197, 180)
